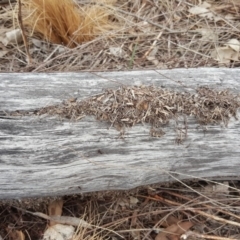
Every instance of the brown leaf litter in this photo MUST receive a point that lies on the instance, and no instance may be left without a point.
(128, 106)
(171, 211)
(149, 34)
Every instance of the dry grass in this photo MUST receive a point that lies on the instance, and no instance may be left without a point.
(148, 34)
(63, 22)
(213, 209)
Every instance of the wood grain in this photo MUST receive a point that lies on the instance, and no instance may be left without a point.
(47, 156)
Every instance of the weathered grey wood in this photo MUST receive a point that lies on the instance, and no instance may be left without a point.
(42, 156)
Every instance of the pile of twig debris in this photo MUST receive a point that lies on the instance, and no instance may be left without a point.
(128, 106)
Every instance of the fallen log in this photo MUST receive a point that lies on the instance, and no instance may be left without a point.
(48, 147)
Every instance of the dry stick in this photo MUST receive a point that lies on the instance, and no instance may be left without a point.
(190, 50)
(121, 11)
(161, 199)
(191, 233)
(29, 59)
(143, 19)
(68, 220)
(60, 219)
(205, 205)
(70, 52)
(198, 211)
(152, 46)
(170, 173)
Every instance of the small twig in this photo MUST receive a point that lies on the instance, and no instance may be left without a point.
(143, 19)
(152, 46)
(29, 59)
(204, 236)
(60, 219)
(204, 205)
(164, 200)
(68, 220)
